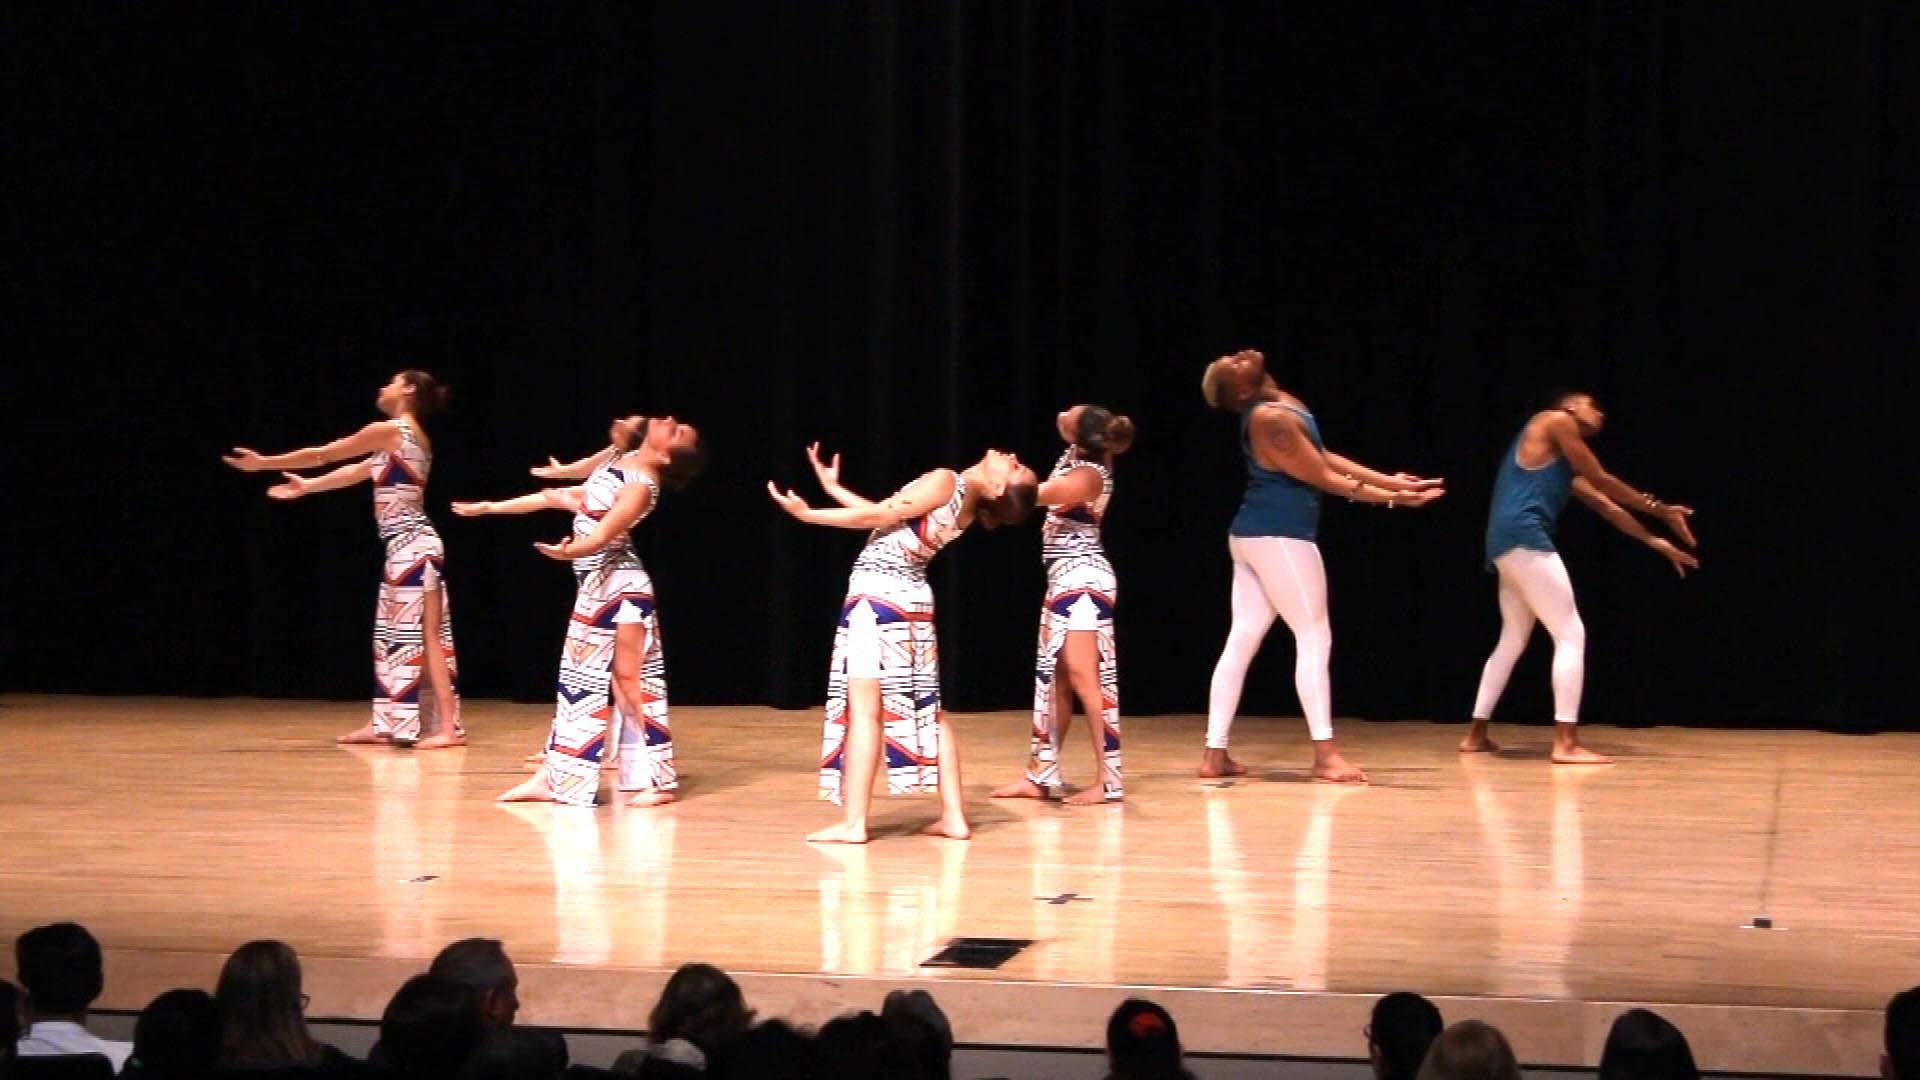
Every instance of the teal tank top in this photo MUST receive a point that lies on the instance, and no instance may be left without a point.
(1276, 504)
(1526, 503)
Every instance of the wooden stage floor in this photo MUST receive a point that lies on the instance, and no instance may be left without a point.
(1266, 913)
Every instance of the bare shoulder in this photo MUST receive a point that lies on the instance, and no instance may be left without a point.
(1274, 420)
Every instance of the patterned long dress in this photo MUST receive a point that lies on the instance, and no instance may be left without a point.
(415, 564)
(613, 589)
(889, 586)
(1081, 593)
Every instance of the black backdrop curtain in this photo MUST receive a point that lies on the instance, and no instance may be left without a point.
(916, 230)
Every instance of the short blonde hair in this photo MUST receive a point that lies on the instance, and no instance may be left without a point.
(1210, 384)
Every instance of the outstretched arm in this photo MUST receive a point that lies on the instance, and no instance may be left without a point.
(923, 496)
(1573, 446)
(566, 498)
(379, 435)
(295, 485)
(627, 508)
(1282, 432)
(1375, 478)
(1627, 523)
(573, 470)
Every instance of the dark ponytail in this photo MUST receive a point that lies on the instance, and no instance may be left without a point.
(683, 464)
(1101, 432)
(429, 394)
(1010, 507)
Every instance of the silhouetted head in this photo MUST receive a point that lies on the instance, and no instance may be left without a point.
(1644, 1046)
(483, 967)
(919, 1023)
(702, 1005)
(60, 969)
(1470, 1050)
(770, 1051)
(1094, 431)
(430, 1028)
(1142, 1041)
(413, 393)
(1007, 490)
(863, 1046)
(178, 1036)
(1230, 382)
(1403, 1027)
(1901, 1060)
(1581, 406)
(262, 1009)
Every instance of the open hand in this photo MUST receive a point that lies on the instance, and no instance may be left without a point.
(829, 472)
(243, 459)
(549, 471)
(1416, 483)
(561, 551)
(1682, 561)
(791, 503)
(292, 487)
(1419, 498)
(472, 509)
(1676, 517)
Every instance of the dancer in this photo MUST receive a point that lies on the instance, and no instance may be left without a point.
(1276, 564)
(612, 698)
(1076, 618)
(883, 689)
(413, 620)
(1548, 461)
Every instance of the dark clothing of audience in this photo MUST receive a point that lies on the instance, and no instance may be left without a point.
(1901, 1060)
(511, 1054)
(331, 1065)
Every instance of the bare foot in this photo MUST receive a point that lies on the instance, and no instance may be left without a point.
(533, 789)
(1090, 796)
(840, 832)
(1477, 741)
(953, 828)
(1331, 768)
(441, 741)
(1022, 788)
(1217, 765)
(363, 736)
(651, 798)
(1568, 751)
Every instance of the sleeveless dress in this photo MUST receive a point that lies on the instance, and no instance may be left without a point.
(1081, 593)
(415, 564)
(612, 588)
(886, 623)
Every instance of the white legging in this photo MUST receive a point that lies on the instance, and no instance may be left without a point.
(1275, 575)
(1534, 584)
